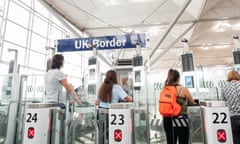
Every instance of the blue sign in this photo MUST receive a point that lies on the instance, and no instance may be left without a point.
(101, 43)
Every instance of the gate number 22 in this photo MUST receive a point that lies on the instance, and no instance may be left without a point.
(220, 118)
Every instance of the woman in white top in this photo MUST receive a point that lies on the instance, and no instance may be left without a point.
(55, 80)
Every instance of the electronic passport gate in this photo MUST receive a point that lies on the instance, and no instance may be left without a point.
(38, 123)
(120, 123)
(216, 122)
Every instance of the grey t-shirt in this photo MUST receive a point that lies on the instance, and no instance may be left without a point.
(53, 86)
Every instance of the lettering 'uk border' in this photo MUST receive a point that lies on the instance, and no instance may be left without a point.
(86, 44)
(101, 43)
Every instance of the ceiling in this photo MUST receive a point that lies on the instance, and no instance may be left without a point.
(208, 25)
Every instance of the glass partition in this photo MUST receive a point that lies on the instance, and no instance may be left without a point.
(84, 126)
(33, 88)
(141, 106)
(80, 120)
(9, 94)
(154, 85)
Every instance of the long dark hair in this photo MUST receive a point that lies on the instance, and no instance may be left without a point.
(172, 78)
(105, 90)
(57, 61)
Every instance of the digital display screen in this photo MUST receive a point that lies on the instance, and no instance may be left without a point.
(189, 83)
(238, 70)
(92, 74)
(137, 76)
(92, 89)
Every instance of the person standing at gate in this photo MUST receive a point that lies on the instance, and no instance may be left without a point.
(177, 128)
(231, 94)
(55, 80)
(109, 92)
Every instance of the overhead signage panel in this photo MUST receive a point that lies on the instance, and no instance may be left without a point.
(101, 43)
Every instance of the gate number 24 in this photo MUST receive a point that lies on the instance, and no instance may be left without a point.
(31, 117)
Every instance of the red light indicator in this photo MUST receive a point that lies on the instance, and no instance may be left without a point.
(118, 135)
(31, 132)
(221, 135)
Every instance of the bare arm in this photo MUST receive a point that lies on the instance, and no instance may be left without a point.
(96, 102)
(189, 96)
(70, 90)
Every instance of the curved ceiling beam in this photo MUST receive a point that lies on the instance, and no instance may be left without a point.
(91, 15)
(171, 45)
(179, 14)
(61, 17)
(165, 24)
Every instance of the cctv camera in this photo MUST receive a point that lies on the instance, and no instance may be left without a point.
(10, 49)
(137, 43)
(184, 40)
(235, 36)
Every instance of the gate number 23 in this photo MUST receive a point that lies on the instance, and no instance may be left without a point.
(219, 118)
(117, 119)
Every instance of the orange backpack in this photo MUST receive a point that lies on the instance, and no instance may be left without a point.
(168, 105)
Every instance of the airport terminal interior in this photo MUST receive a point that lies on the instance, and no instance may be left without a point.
(139, 39)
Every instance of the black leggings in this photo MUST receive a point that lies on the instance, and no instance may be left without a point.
(175, 133)
(235, 123)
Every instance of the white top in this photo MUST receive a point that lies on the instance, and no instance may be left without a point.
(53, 86)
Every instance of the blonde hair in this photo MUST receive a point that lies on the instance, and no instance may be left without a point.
(233, 75)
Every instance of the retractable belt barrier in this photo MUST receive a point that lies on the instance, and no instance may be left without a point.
(120, 123)
(216, 122)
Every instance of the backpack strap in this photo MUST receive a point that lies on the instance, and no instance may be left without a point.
(180, 92)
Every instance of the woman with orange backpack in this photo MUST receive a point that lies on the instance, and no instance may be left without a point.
(176, 127)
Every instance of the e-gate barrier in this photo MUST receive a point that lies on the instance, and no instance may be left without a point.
(9, 107)
(216, 122)
(8, 113)
(210, 123)
(39, 124)
(120, 123)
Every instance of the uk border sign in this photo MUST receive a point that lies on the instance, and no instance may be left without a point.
(101, 43)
